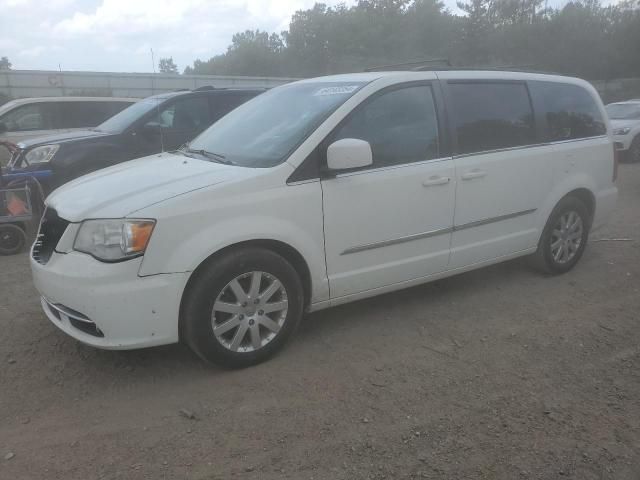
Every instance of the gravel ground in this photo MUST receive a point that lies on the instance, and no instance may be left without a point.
(498, 373)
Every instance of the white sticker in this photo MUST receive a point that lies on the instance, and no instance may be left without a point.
(336, 90)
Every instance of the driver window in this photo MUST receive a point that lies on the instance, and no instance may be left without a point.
(191, 114)
(401, 126)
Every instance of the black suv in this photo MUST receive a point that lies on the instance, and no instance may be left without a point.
(158, 123)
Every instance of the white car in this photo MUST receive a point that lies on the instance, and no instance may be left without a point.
(625, 122)
(322, 192)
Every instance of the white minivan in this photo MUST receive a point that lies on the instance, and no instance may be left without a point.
(321, 192)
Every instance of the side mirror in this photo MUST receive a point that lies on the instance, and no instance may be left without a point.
(3, 127)
(349, 153)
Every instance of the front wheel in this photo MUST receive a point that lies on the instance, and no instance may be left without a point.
(241, 308)
(564, 237)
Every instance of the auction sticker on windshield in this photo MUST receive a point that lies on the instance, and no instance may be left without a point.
(336, 90)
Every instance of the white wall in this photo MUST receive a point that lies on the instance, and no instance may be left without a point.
(38, 83)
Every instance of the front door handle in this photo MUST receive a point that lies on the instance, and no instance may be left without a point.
(435, 180)
(471, 174)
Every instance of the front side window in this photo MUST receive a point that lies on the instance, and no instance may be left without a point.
(190, 114)
(36, 116)
(570, 111)
(491, 116)
(401, 126)
(264, 131)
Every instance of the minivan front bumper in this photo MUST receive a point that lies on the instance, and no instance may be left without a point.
(107, 305)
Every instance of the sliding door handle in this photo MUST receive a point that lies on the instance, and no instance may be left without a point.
(471, 174)
(435, 180)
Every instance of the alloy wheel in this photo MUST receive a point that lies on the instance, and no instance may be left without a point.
(566, 237)
(249, 312)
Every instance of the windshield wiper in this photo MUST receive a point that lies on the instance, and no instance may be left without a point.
(217, 157)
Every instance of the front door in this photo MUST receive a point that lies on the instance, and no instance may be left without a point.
(391, 222)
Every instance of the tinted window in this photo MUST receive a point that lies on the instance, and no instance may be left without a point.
(570, 111)
(82, 114)
(489, 116)
(35, 116)
(401, 126)
(190, 114)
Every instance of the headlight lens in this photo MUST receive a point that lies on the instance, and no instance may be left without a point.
(114, 240)
(42, 154)
(621, 131)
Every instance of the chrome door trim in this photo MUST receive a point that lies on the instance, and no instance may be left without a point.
(394, 241)
(525, 147)
(366, 170)
(487, 221)
(433, 233)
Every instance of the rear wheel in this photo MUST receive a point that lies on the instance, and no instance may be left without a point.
(564, 237)
(241, 308)
(12, 239)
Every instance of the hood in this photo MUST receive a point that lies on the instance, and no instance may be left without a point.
(624, 123)
(61, 138)
(119, 191)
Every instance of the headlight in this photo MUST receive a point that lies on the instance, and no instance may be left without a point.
(621, 131)
(114, 240)
(42, 154)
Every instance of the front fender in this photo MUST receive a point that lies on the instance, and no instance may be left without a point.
(204, 225)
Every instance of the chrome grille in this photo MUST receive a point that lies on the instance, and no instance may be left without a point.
(52, 227)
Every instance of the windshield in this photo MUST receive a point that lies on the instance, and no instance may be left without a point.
(126, 117)
(621, 111)
(265, 130)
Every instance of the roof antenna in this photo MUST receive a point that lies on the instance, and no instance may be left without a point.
(153, 65)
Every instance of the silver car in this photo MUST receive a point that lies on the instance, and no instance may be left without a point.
(625, 121)
(34, 117)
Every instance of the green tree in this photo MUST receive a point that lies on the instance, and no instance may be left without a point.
(167, 65)
(583, 38)
(5, 64)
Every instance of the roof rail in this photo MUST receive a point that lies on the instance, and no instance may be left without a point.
(204, 88)
(418, 65)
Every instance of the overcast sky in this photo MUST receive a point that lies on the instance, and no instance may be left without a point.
(116, 35)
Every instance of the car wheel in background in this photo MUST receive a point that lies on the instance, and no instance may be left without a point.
(564, 237)
(12, 239)
(241, 308)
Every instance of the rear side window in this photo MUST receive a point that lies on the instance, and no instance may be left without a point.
(83, 114)
(569, 110)
(491, 116)
(400, 125)
(34, 116)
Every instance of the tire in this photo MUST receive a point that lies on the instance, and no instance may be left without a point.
(546, 259)
(633, 154)
(212, 302)
(12, 239)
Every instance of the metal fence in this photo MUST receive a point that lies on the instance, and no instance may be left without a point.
(38, 83)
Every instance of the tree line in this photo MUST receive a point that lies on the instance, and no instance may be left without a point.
(583, 38)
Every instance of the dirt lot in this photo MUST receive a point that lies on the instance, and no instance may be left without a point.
(499, 373)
